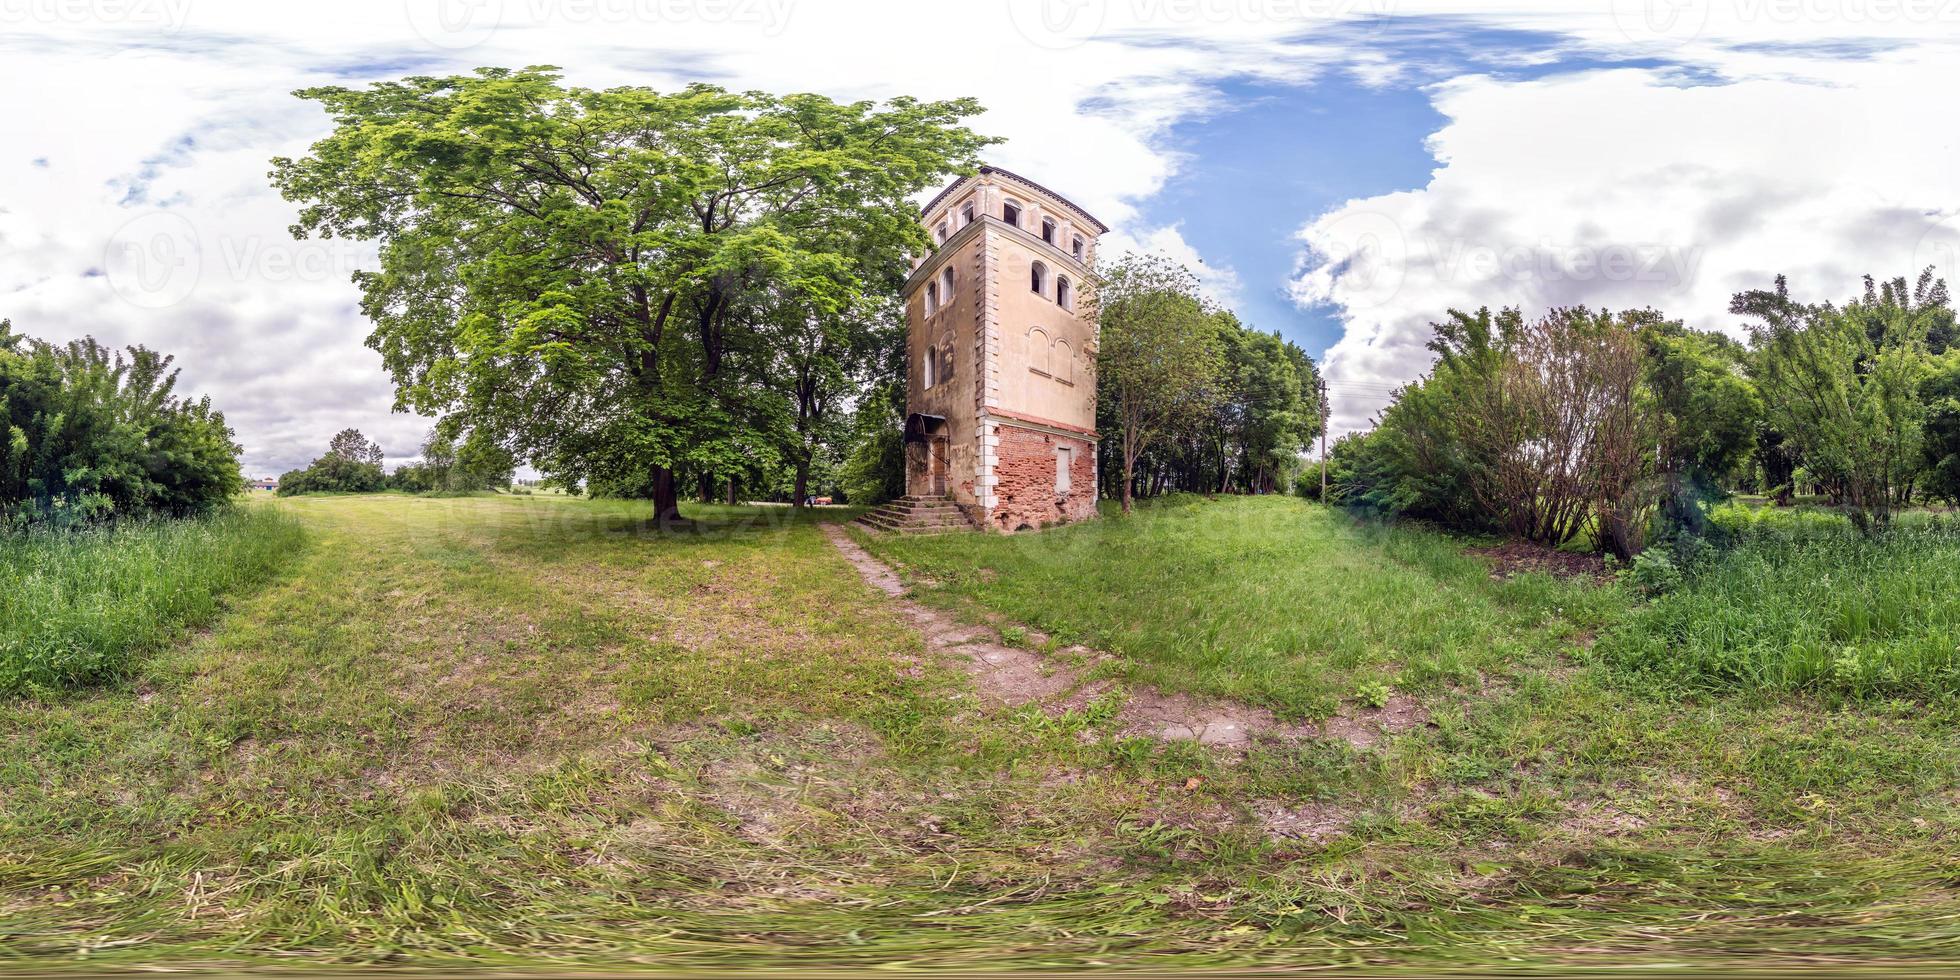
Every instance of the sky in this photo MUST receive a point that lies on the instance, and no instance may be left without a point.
(1342, 172)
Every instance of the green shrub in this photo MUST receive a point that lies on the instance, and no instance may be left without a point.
(87, 433)
(1802, 601)
(77, 606)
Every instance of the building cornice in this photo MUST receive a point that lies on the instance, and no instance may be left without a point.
(1101, 229)
(959, 238)
(1037, 423)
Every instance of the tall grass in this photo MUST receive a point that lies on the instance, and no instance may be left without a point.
(77, 605)
(1803, 602)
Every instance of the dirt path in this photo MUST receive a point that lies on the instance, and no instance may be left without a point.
(1010, 676)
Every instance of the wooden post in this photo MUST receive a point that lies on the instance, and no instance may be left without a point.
(1323, 439)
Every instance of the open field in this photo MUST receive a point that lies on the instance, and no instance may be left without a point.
(520, 730)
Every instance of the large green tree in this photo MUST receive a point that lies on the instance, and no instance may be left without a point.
(1158, 360)
(587, 276)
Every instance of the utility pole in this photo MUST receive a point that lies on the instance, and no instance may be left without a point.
(1323, 440)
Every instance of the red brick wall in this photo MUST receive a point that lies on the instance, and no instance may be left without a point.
(1024, 487)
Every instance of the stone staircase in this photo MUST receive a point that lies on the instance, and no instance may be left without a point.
(917, 515)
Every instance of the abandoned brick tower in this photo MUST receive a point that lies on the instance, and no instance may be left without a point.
(1001, 395)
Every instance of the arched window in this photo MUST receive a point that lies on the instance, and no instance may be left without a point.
(1064, 295)
(1010, 212)
(1063, 364)
(942, 232)
(966, 214)
(932, 367)
(932, 298)
(1038, 279)
(1039, 350)
(1076, 248)
(946, 363)
(1048, 230)
(946, 285)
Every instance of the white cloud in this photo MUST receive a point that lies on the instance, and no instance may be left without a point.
(1219, 283)
(1626, 188)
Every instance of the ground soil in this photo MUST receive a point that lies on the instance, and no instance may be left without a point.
(1517, 557)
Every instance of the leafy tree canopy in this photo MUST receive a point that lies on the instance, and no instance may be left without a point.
(598, 280)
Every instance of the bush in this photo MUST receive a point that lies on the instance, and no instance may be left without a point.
(333, 474)
(1802, 601)
(87, 433)
(77, 606)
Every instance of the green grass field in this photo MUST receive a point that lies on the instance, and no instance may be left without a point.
(530, 732)
(77, 606)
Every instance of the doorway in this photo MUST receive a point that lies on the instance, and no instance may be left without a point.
(936, 466)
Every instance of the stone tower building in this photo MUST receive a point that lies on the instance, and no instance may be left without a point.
(1001, 396)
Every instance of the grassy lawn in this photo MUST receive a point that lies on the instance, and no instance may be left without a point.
(1264, 601)
(529, 731)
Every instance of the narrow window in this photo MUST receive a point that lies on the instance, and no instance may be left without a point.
(1062, 363)
(966, 213)
(1038, 279)
(932, 298)
(1076, 247)
(1063, 457)
(1010, 212)
(946, 363)
(946, 287)
(932, 367)
(942, 232)
(1048, 231)
(1064, 296)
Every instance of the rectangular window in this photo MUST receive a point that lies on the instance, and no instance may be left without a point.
(1063, 457)
(1011, 213)
(1076, 247)
(966, 214)
(1048, 231)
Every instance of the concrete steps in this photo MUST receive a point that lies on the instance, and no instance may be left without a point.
(917, 515)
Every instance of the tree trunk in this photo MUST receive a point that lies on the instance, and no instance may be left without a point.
(802, 482)
(1129, 478)
(707, 489)
(666, 497)
(731, 492)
